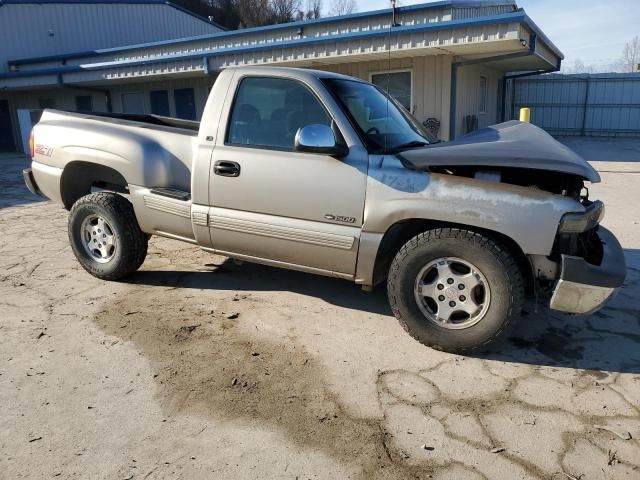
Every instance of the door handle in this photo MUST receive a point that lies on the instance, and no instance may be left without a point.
(225, 168)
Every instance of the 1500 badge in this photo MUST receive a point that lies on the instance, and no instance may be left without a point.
(340, 218)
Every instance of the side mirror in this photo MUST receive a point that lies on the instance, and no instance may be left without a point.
(319, 139)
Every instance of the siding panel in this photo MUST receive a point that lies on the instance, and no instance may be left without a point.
(62, 28)
(593, 105)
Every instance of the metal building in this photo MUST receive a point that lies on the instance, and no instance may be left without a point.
(49, 28)
(446, 61)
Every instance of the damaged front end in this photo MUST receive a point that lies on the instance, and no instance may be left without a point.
(591, 262)
(586, 265)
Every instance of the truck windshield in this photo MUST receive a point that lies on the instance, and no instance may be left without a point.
(383, 123)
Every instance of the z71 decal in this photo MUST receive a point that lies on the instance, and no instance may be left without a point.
(43, 150)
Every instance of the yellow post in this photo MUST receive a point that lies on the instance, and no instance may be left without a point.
(525, 115)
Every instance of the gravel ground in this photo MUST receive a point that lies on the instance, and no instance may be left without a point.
(202, 368)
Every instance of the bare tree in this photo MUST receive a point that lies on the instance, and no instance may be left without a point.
(342, 7)
(314, 9)
(254, 13)
(283, 11)
(630, 57)
(579, 67)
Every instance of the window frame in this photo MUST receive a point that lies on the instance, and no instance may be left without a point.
(483, 97)
(304, 84)
(398, 70)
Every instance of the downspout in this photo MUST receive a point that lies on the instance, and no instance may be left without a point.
(506, 78)
(454, 77)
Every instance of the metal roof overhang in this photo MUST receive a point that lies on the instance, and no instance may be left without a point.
(500, 39)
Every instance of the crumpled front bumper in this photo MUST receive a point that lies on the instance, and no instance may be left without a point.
(584, 288)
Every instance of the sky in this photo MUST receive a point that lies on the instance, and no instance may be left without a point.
(593, 31)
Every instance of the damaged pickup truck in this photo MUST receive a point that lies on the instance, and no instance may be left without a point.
(326, 174)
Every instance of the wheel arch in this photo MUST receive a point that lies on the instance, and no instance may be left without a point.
(79, 177)
(404, 230)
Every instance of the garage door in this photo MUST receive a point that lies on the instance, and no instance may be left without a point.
(6, 132)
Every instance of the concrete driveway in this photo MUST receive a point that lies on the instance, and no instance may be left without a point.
(201, 368)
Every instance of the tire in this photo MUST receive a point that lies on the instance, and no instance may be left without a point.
(127, 247)
(497, 304)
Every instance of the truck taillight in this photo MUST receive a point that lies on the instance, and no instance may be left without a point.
(32, 151)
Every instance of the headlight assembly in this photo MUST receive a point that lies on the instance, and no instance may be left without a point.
(579, 222)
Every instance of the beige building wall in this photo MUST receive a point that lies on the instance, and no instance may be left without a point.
(469, 96)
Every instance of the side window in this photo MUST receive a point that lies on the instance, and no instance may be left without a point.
(268, 112)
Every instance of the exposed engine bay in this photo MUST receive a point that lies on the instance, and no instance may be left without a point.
(512, 152)
(568, 185)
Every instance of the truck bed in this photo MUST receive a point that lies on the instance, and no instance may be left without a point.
(149, 150)
(157, 120)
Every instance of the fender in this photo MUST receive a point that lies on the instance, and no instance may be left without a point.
(527, 216)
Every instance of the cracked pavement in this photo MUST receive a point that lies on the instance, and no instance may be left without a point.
(198, 367)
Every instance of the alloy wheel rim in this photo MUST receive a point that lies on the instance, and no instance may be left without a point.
(98, 239)
(452, 293)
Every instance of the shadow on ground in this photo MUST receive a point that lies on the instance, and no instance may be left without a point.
(13, 191)
(608, 340)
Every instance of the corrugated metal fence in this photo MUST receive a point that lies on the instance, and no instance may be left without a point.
(588, 105)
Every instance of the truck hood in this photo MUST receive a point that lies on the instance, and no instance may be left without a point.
(511, 144)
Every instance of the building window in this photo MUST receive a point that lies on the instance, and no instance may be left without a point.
(133, 103)
(268, 112)
(84, 103)
(483, 94)
(46, 103)
(398, 83)
(160, 102)
(185, 103)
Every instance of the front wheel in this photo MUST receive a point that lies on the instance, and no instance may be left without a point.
(455, 290)
(105, 236)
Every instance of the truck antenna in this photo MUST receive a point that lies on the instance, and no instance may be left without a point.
(394, 23)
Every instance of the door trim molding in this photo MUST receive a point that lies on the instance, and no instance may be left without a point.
(281, 232)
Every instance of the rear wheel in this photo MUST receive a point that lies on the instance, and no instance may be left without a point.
(105, 236)
(455, 290)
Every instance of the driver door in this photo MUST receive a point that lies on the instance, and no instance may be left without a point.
(270, 202)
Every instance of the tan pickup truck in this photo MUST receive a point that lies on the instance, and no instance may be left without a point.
(326, 174)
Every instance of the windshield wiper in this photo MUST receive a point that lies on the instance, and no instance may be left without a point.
(412, 144)
(399, 148)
